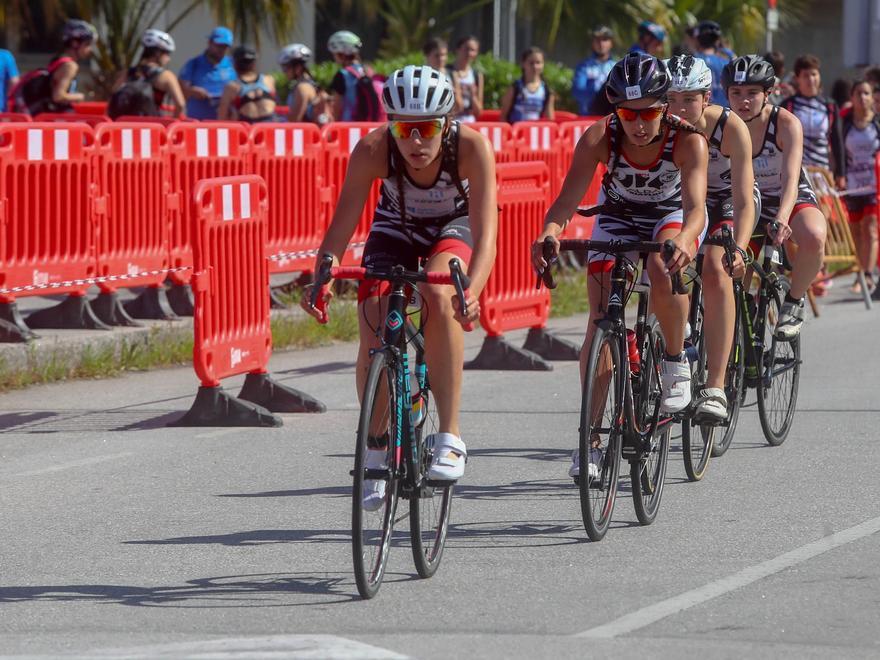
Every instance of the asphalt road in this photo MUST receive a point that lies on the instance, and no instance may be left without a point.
(124, 538)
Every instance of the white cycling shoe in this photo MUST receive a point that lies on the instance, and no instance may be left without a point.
(374, 489)
(675, 385)
(450, 455)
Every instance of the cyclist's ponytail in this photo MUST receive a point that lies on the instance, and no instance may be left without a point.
(676, 122)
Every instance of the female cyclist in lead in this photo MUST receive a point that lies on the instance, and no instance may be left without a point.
(654, 189)
(437, 202)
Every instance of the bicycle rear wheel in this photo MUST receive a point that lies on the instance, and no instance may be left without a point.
(697, 439)
(648, 470)
(600, 428)
(734, 384)
(780, 376)
(430, 504)
(372, 525)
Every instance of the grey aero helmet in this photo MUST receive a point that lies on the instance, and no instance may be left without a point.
(158, 39)
(637, 76)
(689, 74)
(294, 53)
(418, 91)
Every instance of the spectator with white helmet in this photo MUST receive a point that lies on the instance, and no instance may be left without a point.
(438, 201)
(204, 76)
(346, 48)
(150, 74)
(306, 101)
(732, 199)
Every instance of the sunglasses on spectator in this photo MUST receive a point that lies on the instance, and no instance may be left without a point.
(424, 128)
(647, 114)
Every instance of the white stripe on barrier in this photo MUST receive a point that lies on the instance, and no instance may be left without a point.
(546, 136)
(127, 144)
(35, 144)
(223, 142)
(533, 138)
(496, 139)
(201, 142)
(354, 136)
(245, 198)
(62, 144)
(228, 212)
(297, 143)
(146, 143)
(280, 142)
(576, 135)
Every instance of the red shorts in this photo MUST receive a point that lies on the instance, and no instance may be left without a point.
(862, 213)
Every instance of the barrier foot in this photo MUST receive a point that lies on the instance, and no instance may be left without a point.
(180, 297)
(275, 301)
(73, 313)
(497, 353)
(110, 311)
(215, 407)
(152, 303)
(549, 346)
(13, 329)
(272, 395)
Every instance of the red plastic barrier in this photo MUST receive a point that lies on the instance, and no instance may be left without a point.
(46, 206)
(340, 139)
(490, 115)
(569, 134)
(510, 300)
(67, 117)
(199, 151)
(562, 116)
(90, 108)
(500, 135)
(14, 116)
(539, 140)
(164, 121)
(131, 173)
(232, 333)
(290, 159)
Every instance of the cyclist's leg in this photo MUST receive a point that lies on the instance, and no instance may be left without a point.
(808, 228)
(720, 312)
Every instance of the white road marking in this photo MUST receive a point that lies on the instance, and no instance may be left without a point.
(647, 615)
(83, 462)
(219, 433)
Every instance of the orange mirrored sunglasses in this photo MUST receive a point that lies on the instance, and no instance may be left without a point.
(647, 114)
(424, 129)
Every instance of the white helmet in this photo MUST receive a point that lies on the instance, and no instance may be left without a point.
(294, 53)
(418, 91)
(689, 74)
(158, 39)
(344, 42)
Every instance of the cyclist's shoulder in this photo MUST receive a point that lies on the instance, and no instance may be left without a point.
(371, 153)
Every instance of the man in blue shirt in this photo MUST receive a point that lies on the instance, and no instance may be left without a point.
(590, 75)
(651, 39)
(8, 76)
(203, 77)
(716, 58)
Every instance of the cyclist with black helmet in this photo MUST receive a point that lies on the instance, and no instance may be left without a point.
(437, 201)
(786, 195)
(654, 189)
(732, 199)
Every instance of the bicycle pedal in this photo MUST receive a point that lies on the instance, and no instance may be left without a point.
(439, 483)
(375, 474)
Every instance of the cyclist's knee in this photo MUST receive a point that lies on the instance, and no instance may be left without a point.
(660, 283)
(811, 231)
(437, 298)
(714, 276)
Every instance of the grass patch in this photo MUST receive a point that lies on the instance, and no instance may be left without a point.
(570, 295)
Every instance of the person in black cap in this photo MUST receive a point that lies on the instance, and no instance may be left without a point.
(590, 74)
(251, 97)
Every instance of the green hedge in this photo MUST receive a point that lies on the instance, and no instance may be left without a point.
(499, 75)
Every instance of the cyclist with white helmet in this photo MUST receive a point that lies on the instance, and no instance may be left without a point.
(438, 201)
(153, 68)
(786, 195)
(731, 199)
(346, 47)
(306, 101)
(654, 189)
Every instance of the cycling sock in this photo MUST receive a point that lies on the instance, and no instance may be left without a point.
(680, 357)
(796, 301)
(377, 443)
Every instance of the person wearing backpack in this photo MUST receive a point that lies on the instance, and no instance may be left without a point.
(529, 98)
(251, 97)
(53, 88)
(8, 76)
(466, 80)
(306, 101)
(356, 90)
(143, 88)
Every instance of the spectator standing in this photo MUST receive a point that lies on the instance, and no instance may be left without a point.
(251, 96)
(204, 77)
(841, 91)
(651, 39)
(709, 50)
(436, 52)
(153, 69)
(823, 138)
(590, 74)
(529, 98)
(782, 89)
(306, 101)
(8, 76)
(467, 82)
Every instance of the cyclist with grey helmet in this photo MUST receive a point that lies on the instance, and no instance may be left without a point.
(306, 102)
(437, 201)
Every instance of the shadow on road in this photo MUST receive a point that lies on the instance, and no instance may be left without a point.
(86, 421)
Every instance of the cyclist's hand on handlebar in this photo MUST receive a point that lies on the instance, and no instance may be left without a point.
(738, 269)
(685, 251)
(782, 233)
(539, 263)
(473, 310)
(319, 311)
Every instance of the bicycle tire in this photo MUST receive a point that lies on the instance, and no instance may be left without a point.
(598, 495)
(734, 384)
(429, 506)
(697, 440)
(777, 397)
(648, 470)
(372, 530)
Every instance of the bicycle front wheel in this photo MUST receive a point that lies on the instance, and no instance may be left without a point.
(697, 439)
(601, 432)
(734, 384)
(779, 378)
(374, 487)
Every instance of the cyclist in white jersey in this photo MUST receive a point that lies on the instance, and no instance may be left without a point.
(654, 189)
(438, 201)
(786, 195)
(731, 199)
